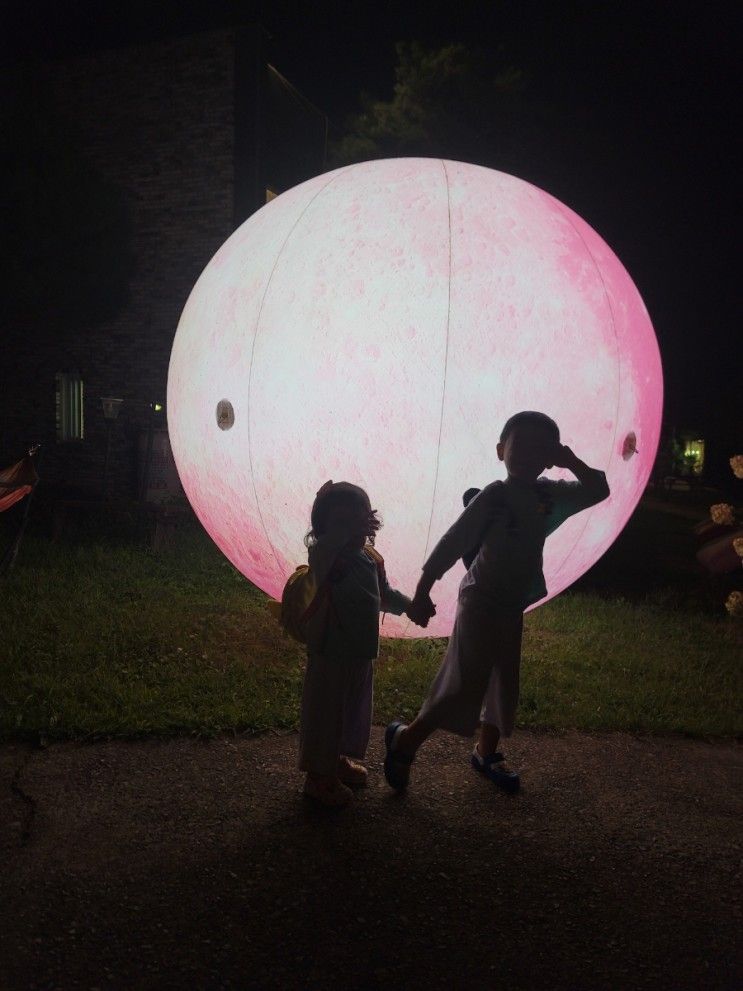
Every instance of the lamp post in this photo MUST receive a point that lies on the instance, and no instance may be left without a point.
(156, 411)
(111, 409)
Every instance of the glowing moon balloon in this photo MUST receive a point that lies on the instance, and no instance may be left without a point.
(378, 324)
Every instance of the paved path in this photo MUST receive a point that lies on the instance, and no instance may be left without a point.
(196, 865)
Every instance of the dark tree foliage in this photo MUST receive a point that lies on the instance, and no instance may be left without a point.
(65, 257)
(475, 105)
(449, 102)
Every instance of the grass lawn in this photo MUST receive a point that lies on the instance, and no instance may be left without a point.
(102, 637)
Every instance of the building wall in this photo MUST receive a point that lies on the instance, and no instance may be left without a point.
(159, 122)
(192, 131)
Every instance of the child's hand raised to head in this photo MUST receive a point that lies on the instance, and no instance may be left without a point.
(563, 457)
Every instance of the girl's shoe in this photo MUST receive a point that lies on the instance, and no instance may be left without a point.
(327, 791)
(352, 773)
(396, 764)
(507, 780)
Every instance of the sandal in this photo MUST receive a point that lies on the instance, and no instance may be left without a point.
(507, 780)
(352, 773)
(396, 764)
(330, 792)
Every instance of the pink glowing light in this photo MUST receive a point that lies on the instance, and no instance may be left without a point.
(379, 324)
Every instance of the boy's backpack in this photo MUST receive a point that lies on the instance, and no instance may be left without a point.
(545, 508)
(302, 598)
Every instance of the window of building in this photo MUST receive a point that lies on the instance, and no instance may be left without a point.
(271, 194)
(69, 406)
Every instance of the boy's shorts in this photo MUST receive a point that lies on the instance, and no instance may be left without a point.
(478, 679)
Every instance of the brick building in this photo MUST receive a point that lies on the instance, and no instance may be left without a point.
(197, 132)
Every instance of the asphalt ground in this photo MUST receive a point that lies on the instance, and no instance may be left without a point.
(188, 864)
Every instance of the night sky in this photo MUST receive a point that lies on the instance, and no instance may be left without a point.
(644, 102)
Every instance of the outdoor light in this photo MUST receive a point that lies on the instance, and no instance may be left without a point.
(379, 324)
(694, 455)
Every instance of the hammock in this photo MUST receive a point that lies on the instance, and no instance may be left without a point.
(16, 482)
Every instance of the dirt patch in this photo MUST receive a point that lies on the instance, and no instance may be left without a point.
(184, 864)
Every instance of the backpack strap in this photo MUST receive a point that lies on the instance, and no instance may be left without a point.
(320, 595)
(470, 556)
(338, 571)
(323, 595)
(377, 558)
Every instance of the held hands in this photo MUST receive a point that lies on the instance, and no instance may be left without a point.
(421, 609)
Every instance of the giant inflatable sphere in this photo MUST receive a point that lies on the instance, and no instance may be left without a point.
(378, 324)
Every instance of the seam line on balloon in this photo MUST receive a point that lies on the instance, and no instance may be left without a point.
(446, 364)
(252, 353)
(578, 234)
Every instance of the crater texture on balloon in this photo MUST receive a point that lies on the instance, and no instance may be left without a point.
(378, 324)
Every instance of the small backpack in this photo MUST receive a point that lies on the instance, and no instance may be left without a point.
(302, 597)
(546, 505)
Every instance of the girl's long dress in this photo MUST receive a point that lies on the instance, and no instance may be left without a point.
(338, 690)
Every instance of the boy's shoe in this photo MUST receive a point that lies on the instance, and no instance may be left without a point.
(327, 791)
(352, 773)
(396, 764)
(507, 780)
